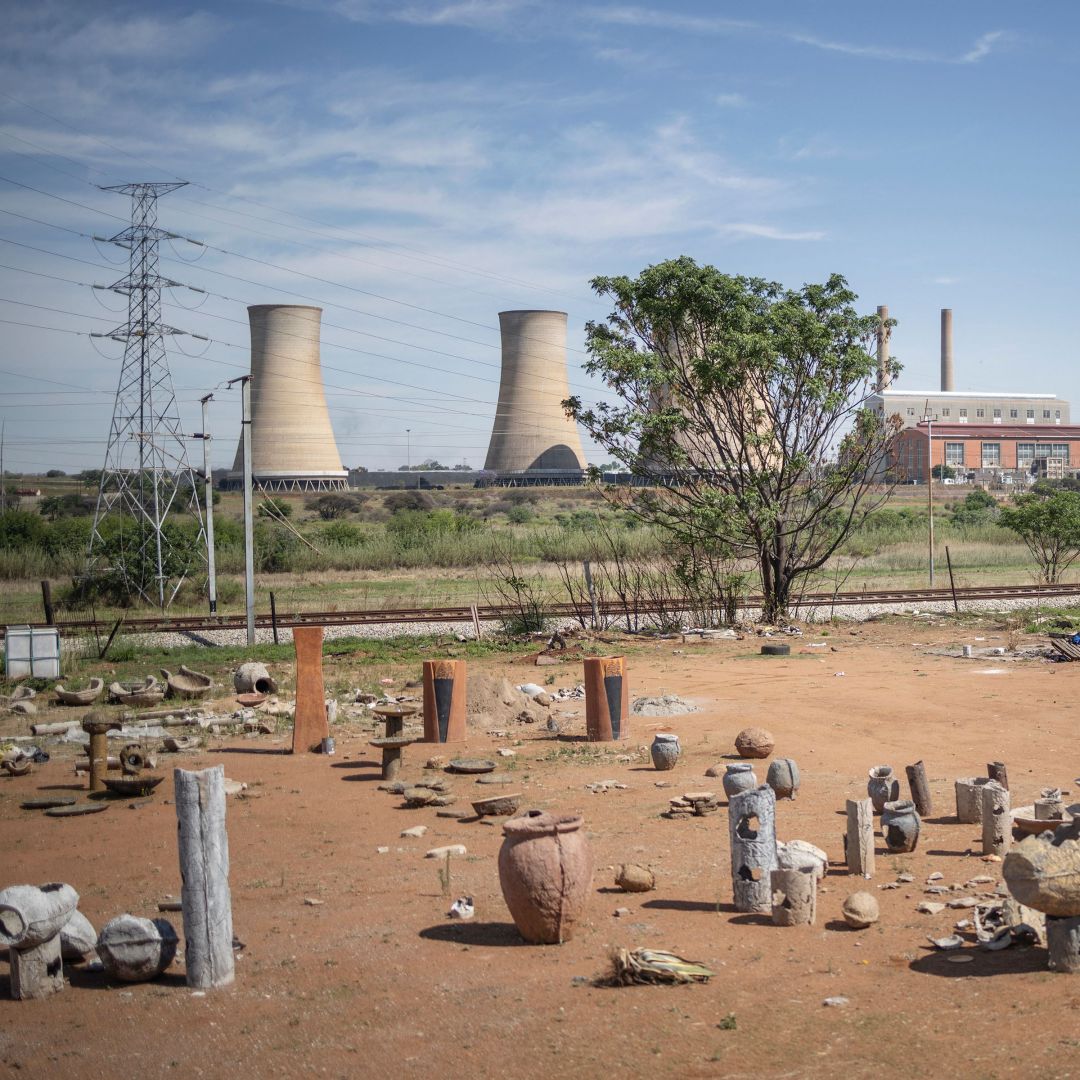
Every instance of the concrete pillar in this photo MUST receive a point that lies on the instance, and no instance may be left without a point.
(996, 819)
(607, 699)
(947, 380)
(310, 725)
(444, 701)
(794, 897)
(859, 840)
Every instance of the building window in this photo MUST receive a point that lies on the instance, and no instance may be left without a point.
(944, 412)
(911, 412)
(1031, 414)
(963, 412)
(997, 414)
(1013, 414)
(1057, 414)
(954, 453)
(1025, 454)
(1061, 450)
(1046, 414)
(991, 455)
(980, 412)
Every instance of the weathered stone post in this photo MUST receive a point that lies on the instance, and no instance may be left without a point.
(607, 699)
(794, 897)
(310, 725)
(969, 799)
(444, 701)
(204, 872)
(920, 789)
(996, 770)
(859, 841)
(996, 819)
(752, 829)
(1063, 943)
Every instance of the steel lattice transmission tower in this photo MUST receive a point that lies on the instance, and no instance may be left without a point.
(146, 476)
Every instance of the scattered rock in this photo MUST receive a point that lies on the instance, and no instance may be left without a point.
(621, 912)
(631, 877)
(382, 850)
(431, 763)
(415, 832)
(310, 901)
(506, 752)
(447, 849)
(937, 875)
(837, 1002)
(754, 742)
(716, 770)
(462, 908)
(861, 910)
(664, 705)
(455, 815)
(928, 907)
(905, 879)
(947, 943)
(963, 902)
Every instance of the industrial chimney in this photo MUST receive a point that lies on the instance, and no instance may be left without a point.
(883, 333)
(292, 441)
(531, 431)
(947, 382)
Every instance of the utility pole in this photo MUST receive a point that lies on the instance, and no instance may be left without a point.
(930, 483)
(146, 475)
(408, 454)
(249, 528)
(208, 495)
(3, 482)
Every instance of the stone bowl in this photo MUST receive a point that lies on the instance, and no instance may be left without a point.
(132, 785)
(250, 701)
(1025, 821)
(471, 765)
(418, 796)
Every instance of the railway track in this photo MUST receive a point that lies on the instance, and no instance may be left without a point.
(494, 612)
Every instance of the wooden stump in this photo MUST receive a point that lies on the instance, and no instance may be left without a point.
(444, 701)
(607, 699)
(920, 789)
(310, 725)
(204, 870)
(794, 897)
(1063, 944)
(38, 971)
(752, 830)
(996, 819)
(969, 799)
(859, 841)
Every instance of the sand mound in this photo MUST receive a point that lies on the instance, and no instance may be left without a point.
(498, 701)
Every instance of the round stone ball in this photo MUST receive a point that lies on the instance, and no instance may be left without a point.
(631, 877)
(754, 742)
(861, 910)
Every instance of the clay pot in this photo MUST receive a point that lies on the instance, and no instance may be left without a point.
(136, 950)
(754, 742)
(545, 871)
(30, 915)
(783, 778)
(882, 787)
(900, 826)
(739, 777)
(665, 751)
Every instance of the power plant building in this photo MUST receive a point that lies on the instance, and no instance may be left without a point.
(292, 441)
(532, 434)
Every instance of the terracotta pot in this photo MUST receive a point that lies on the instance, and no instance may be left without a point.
(900, 826)
(545, 870)
(665, 751)
(739, 777)
(882, 787)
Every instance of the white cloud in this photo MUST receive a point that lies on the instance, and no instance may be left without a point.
(730, 101)
(769, 232)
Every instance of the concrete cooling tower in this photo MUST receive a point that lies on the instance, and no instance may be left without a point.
(292, 441)
(531, 432)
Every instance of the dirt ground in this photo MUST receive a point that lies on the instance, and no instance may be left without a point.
(375, 981)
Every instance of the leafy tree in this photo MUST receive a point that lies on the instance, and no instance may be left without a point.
(274, 508)
(408, 500)
(943, 472)
(1050, 526)
(53, 473)
(55, 507)
(745, 404)
(978, 508)
(332, 505)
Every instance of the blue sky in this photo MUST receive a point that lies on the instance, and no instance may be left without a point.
(435, 162)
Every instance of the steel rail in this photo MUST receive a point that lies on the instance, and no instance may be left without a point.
(496, 612)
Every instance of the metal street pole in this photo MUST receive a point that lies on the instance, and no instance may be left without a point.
(208, 491)
(249, 529)
(930, 488)
(408, 454)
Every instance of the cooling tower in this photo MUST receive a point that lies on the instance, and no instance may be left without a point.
(292, 442)
(531, 430)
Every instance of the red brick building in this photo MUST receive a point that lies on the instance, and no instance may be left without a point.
(973, 447)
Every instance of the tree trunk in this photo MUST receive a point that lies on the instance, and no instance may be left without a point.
(204, 872)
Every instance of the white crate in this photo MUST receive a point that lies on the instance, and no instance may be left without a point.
(33, 651)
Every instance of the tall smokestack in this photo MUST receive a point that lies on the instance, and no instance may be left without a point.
(883, 333)
(531, 430)
(947, 382)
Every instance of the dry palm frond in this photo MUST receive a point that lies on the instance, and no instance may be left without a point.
(651, 966)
